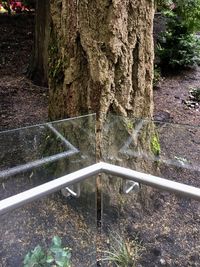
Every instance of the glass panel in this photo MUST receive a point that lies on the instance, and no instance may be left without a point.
(163, 227)
(73, 220)
(154, 227)
(35, 155)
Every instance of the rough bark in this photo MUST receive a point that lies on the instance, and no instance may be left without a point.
(101, 58)
(38, 70)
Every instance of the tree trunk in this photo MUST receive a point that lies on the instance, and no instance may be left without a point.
(38, 70)
(101, 58)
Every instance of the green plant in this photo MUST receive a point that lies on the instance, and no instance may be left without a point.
(155, 145)
(178, 47)
(55, 256)
(163, 4)
(189, 13)
(123, 253)
(195, 94)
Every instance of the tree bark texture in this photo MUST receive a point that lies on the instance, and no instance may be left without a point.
(101, 60)
(38, 70)
(101, 57)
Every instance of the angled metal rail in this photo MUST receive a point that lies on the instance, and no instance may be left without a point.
(38, 192)
(37, 163)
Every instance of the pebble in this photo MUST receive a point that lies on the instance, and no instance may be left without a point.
(162, 261)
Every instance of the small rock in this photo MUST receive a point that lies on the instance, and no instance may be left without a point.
(162, 261)
(163, 116)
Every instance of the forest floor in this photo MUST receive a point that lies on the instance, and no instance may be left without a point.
(170, 230)
(21, 102)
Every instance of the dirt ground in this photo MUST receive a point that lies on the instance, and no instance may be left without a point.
(21, 102)
(170, 229)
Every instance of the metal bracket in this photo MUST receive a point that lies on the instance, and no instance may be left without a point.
(129, 186)
(72, 190)
(76, 177)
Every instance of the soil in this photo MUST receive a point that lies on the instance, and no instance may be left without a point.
(169, 229)
(21, 102)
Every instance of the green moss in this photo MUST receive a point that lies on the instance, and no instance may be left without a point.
(130, 125)
(55, 63)
(155, 145)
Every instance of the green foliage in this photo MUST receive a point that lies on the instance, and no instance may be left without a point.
(163, 4)
(55, 256)
(179, 51)
(155, 145)
(123, 253)
(178, 47)
(195, 94)
(189, 13)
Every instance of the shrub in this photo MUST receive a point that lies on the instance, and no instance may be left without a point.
(56, 256)
(187, 10)
(189, 13)
(195, 94)
(163, 4)
(178, 47)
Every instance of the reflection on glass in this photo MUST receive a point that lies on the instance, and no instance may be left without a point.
(35, 155)
(140, 226)
(155, 227)
(73, 220)
(32, 156)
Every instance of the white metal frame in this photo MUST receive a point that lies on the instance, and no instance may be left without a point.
(45, 189)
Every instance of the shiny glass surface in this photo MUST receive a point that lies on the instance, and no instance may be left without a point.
(162, 226)
(149, 227)
(35, 155)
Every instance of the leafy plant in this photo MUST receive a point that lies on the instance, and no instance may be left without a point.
(123, 253)
(55, 256)
(195, 94)
(189, 13)
(163, 4)
(187, 10)
(178, 47)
